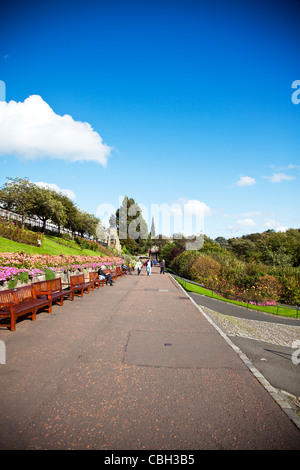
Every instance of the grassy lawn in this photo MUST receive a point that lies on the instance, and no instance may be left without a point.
(50, 246)
(286, 312)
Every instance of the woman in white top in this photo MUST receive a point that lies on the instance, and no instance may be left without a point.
(148, 267)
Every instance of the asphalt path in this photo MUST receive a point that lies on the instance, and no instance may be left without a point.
(135, 366)
(273, 361)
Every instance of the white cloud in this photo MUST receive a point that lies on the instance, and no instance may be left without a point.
(252, 214)
(31, 129)
(195, 207)
(273, 224)
(246, 181)
(189, 216)
(67, 192)
(241, 223)
(278, 177)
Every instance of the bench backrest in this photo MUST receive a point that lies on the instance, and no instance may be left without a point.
(77, 279)
(6, 297)
(24, 294)
(18, 295)
(51, 285)
(93, 275)
(55, 284)
(41, 286)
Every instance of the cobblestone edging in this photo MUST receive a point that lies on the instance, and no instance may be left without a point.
(274, 333)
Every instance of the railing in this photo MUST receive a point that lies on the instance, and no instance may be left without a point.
(34, 222)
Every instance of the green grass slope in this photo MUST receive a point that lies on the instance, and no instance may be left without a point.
(50, 246)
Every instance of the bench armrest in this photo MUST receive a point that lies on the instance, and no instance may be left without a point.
(7, 304)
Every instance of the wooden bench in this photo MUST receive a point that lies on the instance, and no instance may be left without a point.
(53, 289)
(119, 271)
(94, 277)
(112, 273)
(78, 283)
(18, 302)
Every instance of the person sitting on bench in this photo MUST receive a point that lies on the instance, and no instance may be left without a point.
(107, 277)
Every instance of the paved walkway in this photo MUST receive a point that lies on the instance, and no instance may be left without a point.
(274, 361)
(133, 366)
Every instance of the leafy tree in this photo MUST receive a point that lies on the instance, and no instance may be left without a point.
(101, 232)
(86, 223)
(18, 195)
(222, 241)
(58, 215)
(242, 248)
(48, 207)
(71, 212)
(132, 227)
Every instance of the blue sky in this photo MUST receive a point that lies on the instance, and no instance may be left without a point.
(186, 103)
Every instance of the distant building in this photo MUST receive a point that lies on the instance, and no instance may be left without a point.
(113, 239)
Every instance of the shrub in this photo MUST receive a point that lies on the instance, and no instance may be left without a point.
(270, 287)
(49, 274)
(291, 289)
(205, 270)
(13, 232)
(183, 263)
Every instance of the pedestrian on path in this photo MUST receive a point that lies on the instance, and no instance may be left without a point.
(162, 266)
(148, 267)
(138, 267)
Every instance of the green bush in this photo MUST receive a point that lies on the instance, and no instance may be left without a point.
(49, 274)
(240, 279)
(183, 262)
(87, 244)
(205, 270)
(12, 231)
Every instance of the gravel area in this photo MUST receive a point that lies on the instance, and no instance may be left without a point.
(274, 333)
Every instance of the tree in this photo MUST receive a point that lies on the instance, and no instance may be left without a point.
(222, 241)
(48, 207)
(70, 210)
(101, 233)
(18, 195)
(58, 216)
(132, 227)
(242, 248)
(86, 223)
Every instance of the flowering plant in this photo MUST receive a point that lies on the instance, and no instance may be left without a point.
(13, 264)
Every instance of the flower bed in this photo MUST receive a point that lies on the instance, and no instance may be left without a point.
(12, 231)
(19, 266)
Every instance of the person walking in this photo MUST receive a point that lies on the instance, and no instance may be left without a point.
(162, 266)
(148, 267)
(138, 267)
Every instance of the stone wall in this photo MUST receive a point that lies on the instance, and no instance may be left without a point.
(41, 277)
